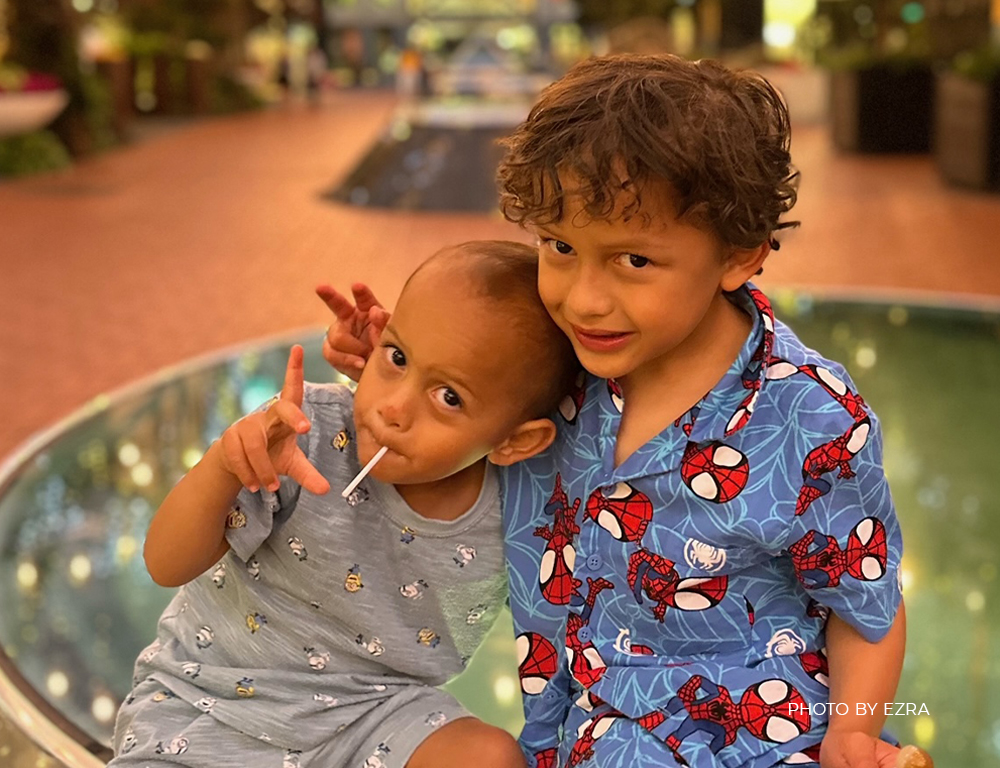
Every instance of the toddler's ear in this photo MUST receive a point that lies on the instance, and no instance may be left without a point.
(527, 440)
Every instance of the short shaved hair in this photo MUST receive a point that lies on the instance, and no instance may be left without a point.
(506, 273)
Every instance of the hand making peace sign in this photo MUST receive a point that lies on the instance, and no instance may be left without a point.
(260, 447)
(349, 342)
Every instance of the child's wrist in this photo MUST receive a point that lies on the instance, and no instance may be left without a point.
(854, 724)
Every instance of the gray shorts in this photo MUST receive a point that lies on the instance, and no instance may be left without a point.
(158, 730)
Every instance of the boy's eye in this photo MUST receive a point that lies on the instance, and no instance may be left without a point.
(558, 246)
(395, 355)
(634, 260)
(448, 397)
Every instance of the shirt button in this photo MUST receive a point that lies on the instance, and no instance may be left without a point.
(594, 562)
(584, 634)
(550, 695)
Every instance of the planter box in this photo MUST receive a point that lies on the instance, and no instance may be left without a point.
(967, 138)
(882, 109)
(24, 112)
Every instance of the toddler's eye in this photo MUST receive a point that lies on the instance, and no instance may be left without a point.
(395, 355)
(448, 397)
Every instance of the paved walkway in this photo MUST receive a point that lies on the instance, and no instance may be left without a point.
(215, 233)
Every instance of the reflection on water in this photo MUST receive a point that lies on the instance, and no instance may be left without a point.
(76, 604)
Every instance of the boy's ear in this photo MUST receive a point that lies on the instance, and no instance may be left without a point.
(742, 264)
(527, 440)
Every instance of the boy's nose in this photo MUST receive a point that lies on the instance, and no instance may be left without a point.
(588, 297)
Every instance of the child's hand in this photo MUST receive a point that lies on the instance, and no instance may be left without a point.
(261, 446)
(855, 749)
(352, 338)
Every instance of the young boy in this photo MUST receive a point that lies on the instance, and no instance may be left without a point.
(318, 639)
(714, 570)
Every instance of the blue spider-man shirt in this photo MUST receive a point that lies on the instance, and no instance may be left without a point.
(683, 595)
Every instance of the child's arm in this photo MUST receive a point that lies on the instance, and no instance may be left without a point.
(861, 673)
(187, 534)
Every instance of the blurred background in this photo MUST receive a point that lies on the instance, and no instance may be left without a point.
(176, 177)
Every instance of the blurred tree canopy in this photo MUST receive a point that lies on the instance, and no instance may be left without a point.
(609, 14)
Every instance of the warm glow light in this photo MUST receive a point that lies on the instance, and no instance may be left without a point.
(142, 474)
(128, 454)
(191, 457)
(923, 730)
(907, 578)
(27, 575)
(126, 547)
(865, 357)
(57, 683)
(975, 601)
(103, 709)
(79, 568)
(504, 688)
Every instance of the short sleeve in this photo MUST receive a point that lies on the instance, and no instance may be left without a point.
(255, 516)
(845, 541)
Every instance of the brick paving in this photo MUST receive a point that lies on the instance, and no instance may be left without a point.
(216, 233)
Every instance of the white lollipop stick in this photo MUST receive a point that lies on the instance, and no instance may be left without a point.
(364, 472)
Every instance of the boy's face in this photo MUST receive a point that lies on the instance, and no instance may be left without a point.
(441, 390)
(631, 294)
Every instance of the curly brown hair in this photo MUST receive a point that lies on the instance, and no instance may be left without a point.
(719, 137)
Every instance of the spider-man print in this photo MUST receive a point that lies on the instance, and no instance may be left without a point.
(589, 732)
(616, 394)
(570, 406)
(808, 756)
(836, 454)
(820, 562)
(622, 511)
(556, 573)
(714, 472)
(724, 505)
(772, 710)
(584, 660)
(656, 577)
(751, 378)
(547, 758)
(816, 666)
(537, 661)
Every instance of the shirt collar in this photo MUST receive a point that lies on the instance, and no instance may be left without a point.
(729, 406)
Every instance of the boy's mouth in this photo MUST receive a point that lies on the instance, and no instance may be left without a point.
(598, 340)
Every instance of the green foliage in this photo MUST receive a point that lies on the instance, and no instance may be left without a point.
(982, 64)
(230, 95)
(99, 111)
(32, 153)
(610, 14)
(12, 77)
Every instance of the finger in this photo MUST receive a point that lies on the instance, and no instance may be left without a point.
(374, 335)
(345, 365)
(290, 415)
(292, 390)
(306, 475)
(364, 297)
(379, 317)
(339, 304)
(236, 462)
(348, 344)
(255, 449)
